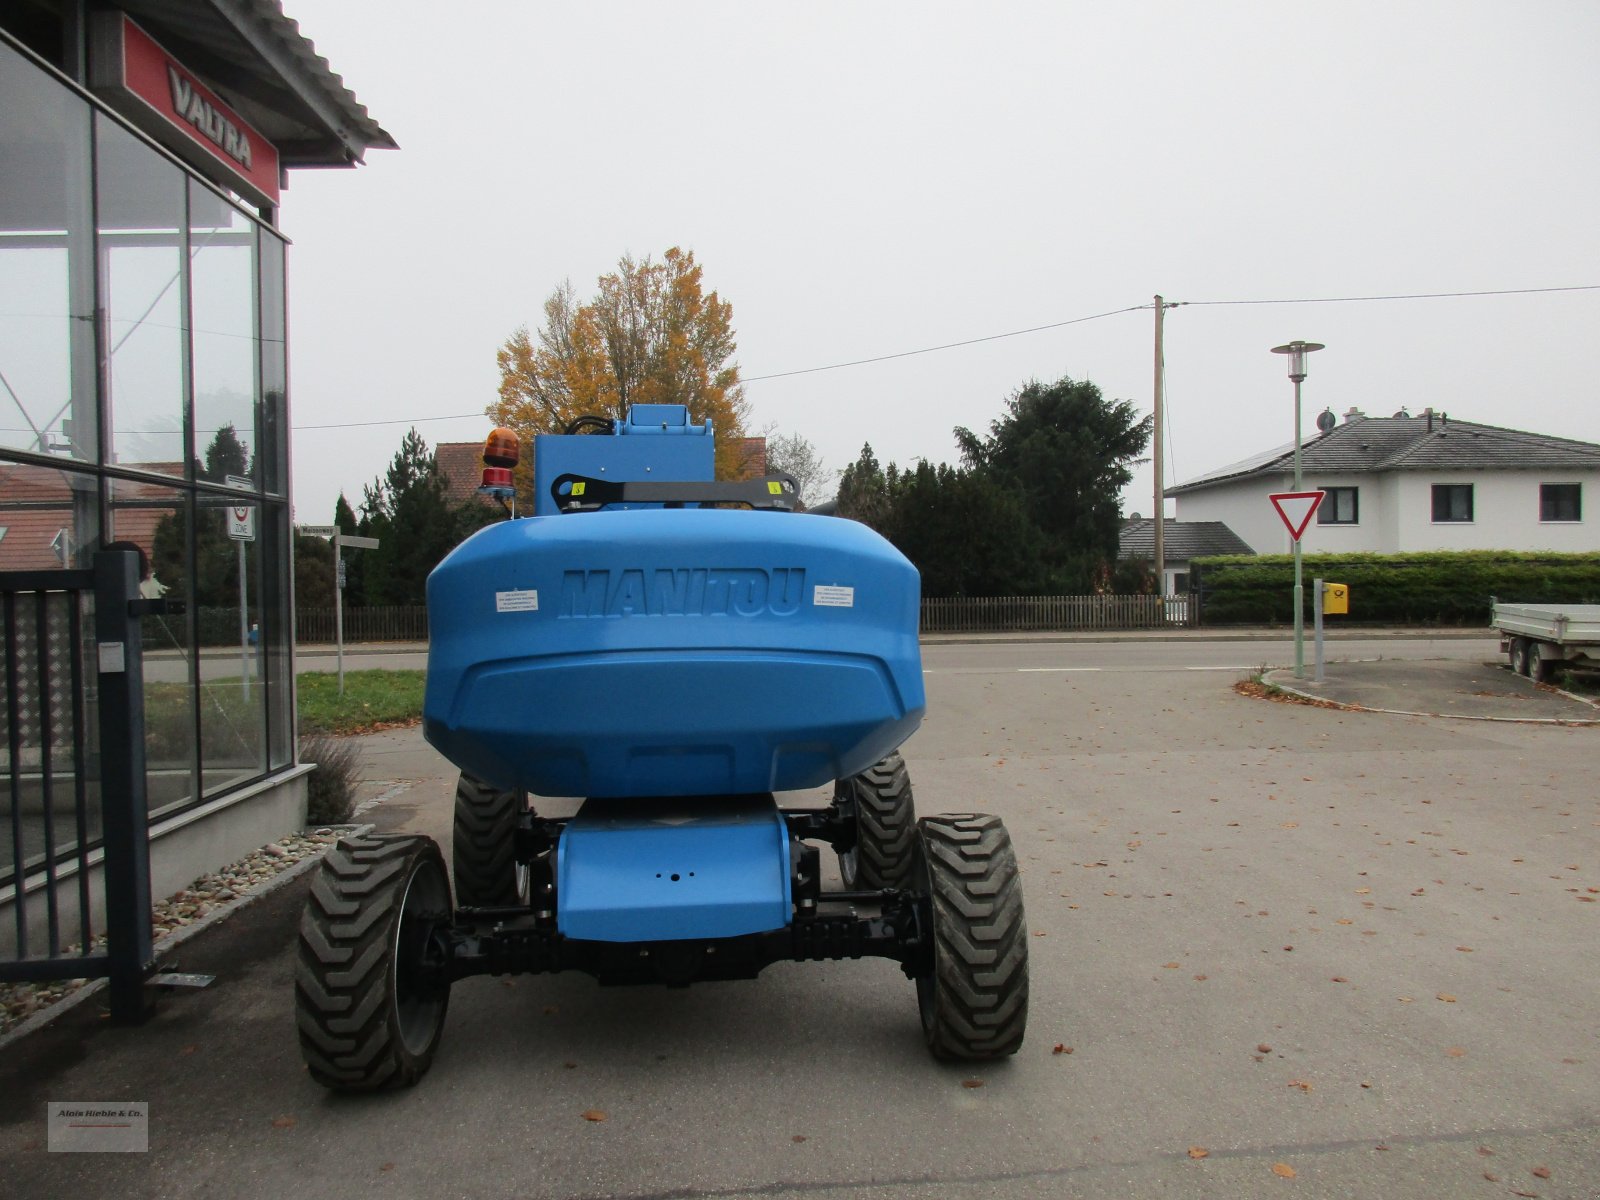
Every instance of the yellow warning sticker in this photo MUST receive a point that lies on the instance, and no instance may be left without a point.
(775, 488)
(577, 488)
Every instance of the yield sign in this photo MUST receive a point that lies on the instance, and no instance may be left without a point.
(1296, 509)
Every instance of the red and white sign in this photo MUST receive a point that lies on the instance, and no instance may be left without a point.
(162, 96)
(242, 522)
(1296, 510)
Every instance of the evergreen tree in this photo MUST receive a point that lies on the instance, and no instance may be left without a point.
(410, 513)
(1066, 452)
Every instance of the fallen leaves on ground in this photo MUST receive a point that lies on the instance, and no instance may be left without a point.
(1061, 1048)
(1446, 997)
(1541, 1172)
(593, 1114)
(1263, 1048)
(1198, 1152)
(1302, 1084)
(1283, 1170)
(283, 1122)
(972, 1083)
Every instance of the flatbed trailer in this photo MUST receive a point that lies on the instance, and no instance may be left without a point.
(1540, 637)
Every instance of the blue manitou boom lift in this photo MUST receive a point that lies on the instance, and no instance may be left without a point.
(675, 650)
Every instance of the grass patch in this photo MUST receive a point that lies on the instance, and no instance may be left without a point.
(371, 700)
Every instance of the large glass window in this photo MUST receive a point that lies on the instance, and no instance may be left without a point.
(227, 593)
(1452, 502)
(47, 376)
(1560, 502)
(49, 517)
(139, 197)
(1340, 506)
(186, 358)
(222, 265)
(155, 520)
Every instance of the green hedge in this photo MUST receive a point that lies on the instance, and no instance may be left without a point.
(1438, 588)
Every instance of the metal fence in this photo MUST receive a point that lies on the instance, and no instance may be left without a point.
(72, 714)
(1007, 614)
(386, 623)
(960, 614)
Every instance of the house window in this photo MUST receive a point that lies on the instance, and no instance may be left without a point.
(1560, 502)
(1452, 502)
(1339, 506)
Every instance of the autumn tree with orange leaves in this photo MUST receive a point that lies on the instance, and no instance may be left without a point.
(650, 335)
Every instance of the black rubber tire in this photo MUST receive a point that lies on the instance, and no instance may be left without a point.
(1520, 656)
(1539, 669)
(482, 845)
(365, 1021)
(886, 826)
(974, 996)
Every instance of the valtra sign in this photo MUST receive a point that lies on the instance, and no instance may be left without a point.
(159, 94)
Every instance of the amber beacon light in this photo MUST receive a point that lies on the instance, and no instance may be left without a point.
(500, 451)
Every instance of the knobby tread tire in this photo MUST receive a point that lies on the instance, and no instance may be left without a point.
(886, 826)
(345, 972)
(482, 844)
(974, 1002)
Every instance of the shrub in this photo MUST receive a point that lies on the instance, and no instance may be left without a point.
(331, 788)
(1435, 588)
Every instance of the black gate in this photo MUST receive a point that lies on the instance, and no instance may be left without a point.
(72, 711)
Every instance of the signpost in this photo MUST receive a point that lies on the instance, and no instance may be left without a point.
(242, 529)
(340, 541)
(1295, 510)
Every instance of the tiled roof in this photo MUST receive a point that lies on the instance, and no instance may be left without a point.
(36, 508)
(461, 465)
(1427, 442)
(1180, 540)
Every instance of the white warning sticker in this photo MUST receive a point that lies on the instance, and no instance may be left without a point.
(829, 595)
(519, 601)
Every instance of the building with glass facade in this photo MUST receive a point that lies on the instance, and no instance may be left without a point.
(143, 368)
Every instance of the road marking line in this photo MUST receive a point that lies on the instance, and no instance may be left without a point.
(1041, 670)
(1256, 667)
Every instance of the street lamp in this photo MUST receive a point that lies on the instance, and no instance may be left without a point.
(1297, 352)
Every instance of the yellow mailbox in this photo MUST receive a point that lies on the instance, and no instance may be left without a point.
(1335, 598)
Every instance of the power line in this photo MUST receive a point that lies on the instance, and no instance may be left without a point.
(1588, 287)
(995, 337)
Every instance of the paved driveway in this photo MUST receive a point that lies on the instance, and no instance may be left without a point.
(1351, 946)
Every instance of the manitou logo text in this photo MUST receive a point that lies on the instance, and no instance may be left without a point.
(195, 109)
(700, 592)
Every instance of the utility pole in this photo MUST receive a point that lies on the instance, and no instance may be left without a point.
(1161, 490)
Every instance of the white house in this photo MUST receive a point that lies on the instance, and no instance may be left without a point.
(1403, 483)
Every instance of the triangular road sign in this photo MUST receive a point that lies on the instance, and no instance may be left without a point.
(1296, 509)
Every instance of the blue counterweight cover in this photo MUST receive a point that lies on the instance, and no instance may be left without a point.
(672, 652)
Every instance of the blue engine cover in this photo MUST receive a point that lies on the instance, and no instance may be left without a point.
(650, 871)
(672, 652)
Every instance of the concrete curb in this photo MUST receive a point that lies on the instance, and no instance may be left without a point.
(1289, 689)
(171, 941)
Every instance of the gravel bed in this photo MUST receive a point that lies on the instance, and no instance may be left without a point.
(19, 1001)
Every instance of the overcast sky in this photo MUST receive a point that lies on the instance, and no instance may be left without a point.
(865, 179)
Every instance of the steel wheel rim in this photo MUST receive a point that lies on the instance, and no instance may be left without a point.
(418, 1008)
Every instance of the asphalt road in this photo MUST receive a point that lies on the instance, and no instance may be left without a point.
(1351, 946)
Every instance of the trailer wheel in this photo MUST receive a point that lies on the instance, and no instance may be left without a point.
(1519, 656)
(483, 845)
(1539, 669)
(973, 994)
(886, 824)
(370, 983)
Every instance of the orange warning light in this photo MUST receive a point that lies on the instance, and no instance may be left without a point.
(500, 448)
